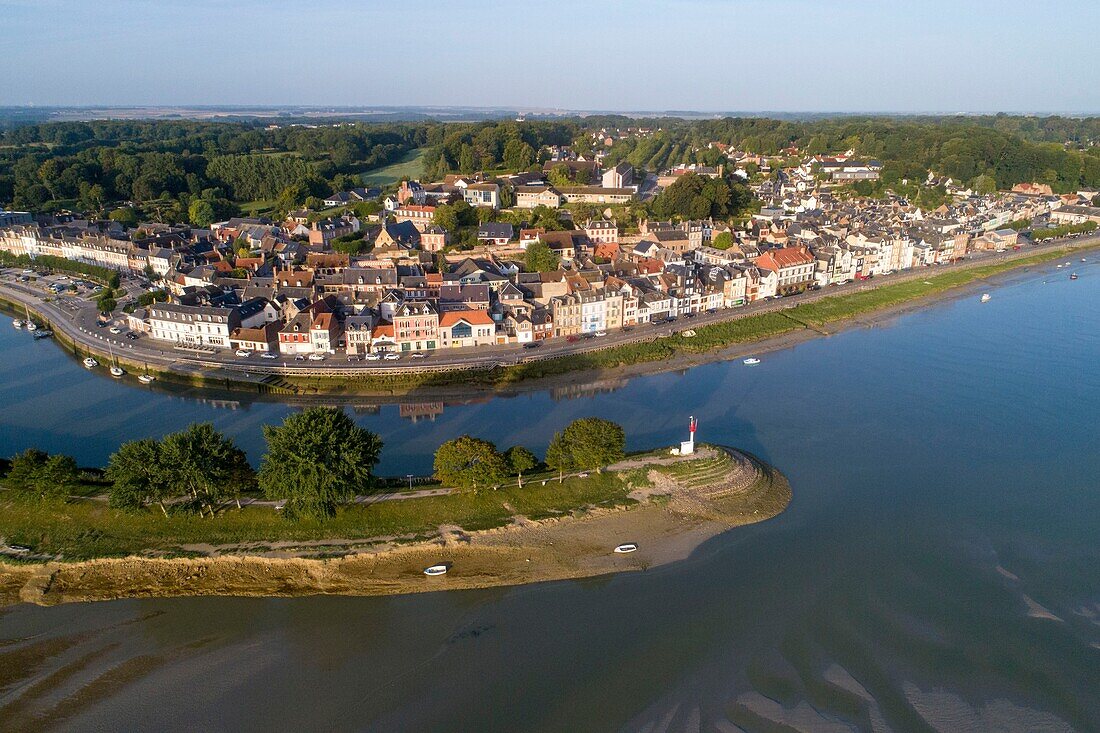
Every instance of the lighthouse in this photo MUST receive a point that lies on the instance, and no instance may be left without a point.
(687, 447)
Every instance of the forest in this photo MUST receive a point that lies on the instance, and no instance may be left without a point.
(167, 165)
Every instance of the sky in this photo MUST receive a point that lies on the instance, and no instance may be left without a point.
(623, 55)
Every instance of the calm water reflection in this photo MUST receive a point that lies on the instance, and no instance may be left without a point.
(938, 567)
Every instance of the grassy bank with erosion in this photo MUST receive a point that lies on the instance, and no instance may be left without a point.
(82, 550)
(712, 337)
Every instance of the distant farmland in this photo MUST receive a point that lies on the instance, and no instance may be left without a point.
(411, 165)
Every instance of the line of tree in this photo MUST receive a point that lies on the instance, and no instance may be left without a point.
(316, 461)
(467, 462)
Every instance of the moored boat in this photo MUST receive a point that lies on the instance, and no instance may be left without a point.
(117, 371)
(17, 323)
(625, 548)
(1073, 276)
(751, 361)
(45, 334)
(90, 363)
(146, 378)
(436, 570)
(986, 297)
(32, 326)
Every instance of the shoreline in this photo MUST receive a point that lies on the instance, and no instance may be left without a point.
(682, 504)
(471, 384)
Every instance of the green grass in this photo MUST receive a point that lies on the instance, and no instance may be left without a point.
(82, 529)
(411, 165)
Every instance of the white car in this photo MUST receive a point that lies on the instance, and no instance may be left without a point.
(601, 333)
(243, 353)
(391, 356)
(269, 355)
(115, 330)
(372, 357)
(316, 357)
(419, 355)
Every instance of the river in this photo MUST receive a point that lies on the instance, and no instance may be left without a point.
(938, 568)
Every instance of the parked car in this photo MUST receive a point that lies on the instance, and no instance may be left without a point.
(532, 345)
(132, 336)
(269, 355)
(316, 357)
(244, 353)
(392, 356)
(115, 330)
(419, 355)
(601, 333)
(353, 358)
(571, 339)
(372, 357)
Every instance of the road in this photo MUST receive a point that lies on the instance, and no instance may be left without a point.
(77, 319)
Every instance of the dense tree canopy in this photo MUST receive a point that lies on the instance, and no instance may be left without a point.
(698, 197)
(469, 463)
(38, 475)
(317, 460)
(589, 442)
(540, 258)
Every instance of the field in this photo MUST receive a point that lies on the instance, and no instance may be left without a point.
(411, 165)
(79, 530)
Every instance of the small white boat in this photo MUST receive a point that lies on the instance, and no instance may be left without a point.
(986, 297)
(1068, 264)
(626, 548)
(1059, 267)
(1073, 276)
(32, 326)
(17, 323)
(147, 378)
(117, 371)
(90, 363)
(751, 360)
(436, 570)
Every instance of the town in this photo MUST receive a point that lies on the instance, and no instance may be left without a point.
(569, 250)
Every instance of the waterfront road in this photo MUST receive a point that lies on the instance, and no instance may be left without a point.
(76, 317)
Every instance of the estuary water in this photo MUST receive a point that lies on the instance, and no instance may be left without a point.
(938, 568)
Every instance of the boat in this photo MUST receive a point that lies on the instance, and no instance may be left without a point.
(17, 323)
(117, 371)
(43, 334)
(436, 570)
(90, 363)
(986, 297)
(751, 360)
(1059, 267)
(1073, 276)
(628, 547)
(32, 326)
(146, 378)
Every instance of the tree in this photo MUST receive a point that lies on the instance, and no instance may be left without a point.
(985, 184)
(36, 474)
(114, 280)
(467, 463)
(559, 176)
(106, 301)
(518, 155)
(201, 213)
(317, 460)
(205, 465)
(138, 475)
(520, 460)
(540, 258)
(723, 240)
(589, 442)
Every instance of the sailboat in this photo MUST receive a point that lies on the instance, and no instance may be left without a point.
(31, 325)
(116, 370)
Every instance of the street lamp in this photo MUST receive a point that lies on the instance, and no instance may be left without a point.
(410, 478)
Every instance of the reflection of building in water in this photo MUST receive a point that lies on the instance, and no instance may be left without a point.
(419, 410)
(587, 389)
(365, 409)
(219, 404)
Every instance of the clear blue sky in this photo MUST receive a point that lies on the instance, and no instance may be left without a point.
(791, 55)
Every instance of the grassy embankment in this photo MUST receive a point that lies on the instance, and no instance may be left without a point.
(816, 315)
(79, 530)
